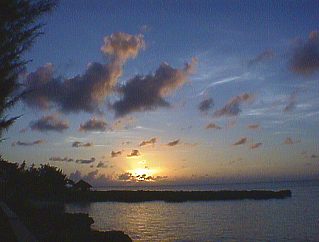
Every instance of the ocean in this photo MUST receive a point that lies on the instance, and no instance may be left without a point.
(290, 219)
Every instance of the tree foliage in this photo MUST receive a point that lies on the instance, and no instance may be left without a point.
(19, 28)
(42, 181)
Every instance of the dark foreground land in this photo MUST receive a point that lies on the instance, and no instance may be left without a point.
(52, 224)
(174, 196)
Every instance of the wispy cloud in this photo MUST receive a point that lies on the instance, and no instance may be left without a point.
(22, 143)
(173, 143)
(256, 145)
(152, 141)
(85, 161)
(78, 144)
(253, 126)
(213, 126)
(263, 56)
(241, 141)
(290, 141)
(58, 158)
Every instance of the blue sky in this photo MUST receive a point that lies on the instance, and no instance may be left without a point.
(253, 63)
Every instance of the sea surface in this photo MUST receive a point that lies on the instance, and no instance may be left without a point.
(291, 219)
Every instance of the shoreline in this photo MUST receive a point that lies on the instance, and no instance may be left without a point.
(173, 196)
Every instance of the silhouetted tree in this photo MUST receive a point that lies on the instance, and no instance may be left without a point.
(18, 30)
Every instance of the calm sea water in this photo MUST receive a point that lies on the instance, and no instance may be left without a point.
(292, 219)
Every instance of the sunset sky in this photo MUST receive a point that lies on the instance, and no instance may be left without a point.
(171, 92)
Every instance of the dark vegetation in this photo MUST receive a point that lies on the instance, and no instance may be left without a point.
(18, 30)
(37, 194)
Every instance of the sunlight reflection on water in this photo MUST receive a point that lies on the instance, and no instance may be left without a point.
(293, 219)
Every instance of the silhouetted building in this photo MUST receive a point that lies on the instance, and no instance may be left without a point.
(82, 186)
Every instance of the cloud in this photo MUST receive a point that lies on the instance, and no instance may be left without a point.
(292, 100)
(86, 92)
(263, 56)
(122, 123)
(254, 146)
(93, 178)
(241, 141)
(78, 144)
(148, 92)
(49, 123)
(93, 124)
(173, 143)
(206, 105)
(213, 126)
(152, 141)
(115, 153)
(232, 108)
(305, 58)
(21, 143)
(127, 176)
(290, 141)
(85, 161)
(253, 126)
(58, 158)
(134, 153)
(101, 165)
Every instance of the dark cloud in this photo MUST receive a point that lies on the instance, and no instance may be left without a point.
(263, 56)
(84, 92)
(134, 153)
(254, 146)
(253, 126)
(173, 143)
(93, 125)
(241, 141)
(152, 141)
(145, 177)
(49, 123)
(305, 58)
(93, 178)
(84, 161)
(101, 165)
(232, 108)
(21, 143)
(78, 144)
(116, 153)
(127, 176)
(148, 92)
(206, 105)
(213, 126)
(58, 158)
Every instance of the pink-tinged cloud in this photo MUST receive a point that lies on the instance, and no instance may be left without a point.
(213, 126)
(232, 107)
(93, 125)
(254, 146)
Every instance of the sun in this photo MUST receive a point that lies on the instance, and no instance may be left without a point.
(143, 174)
